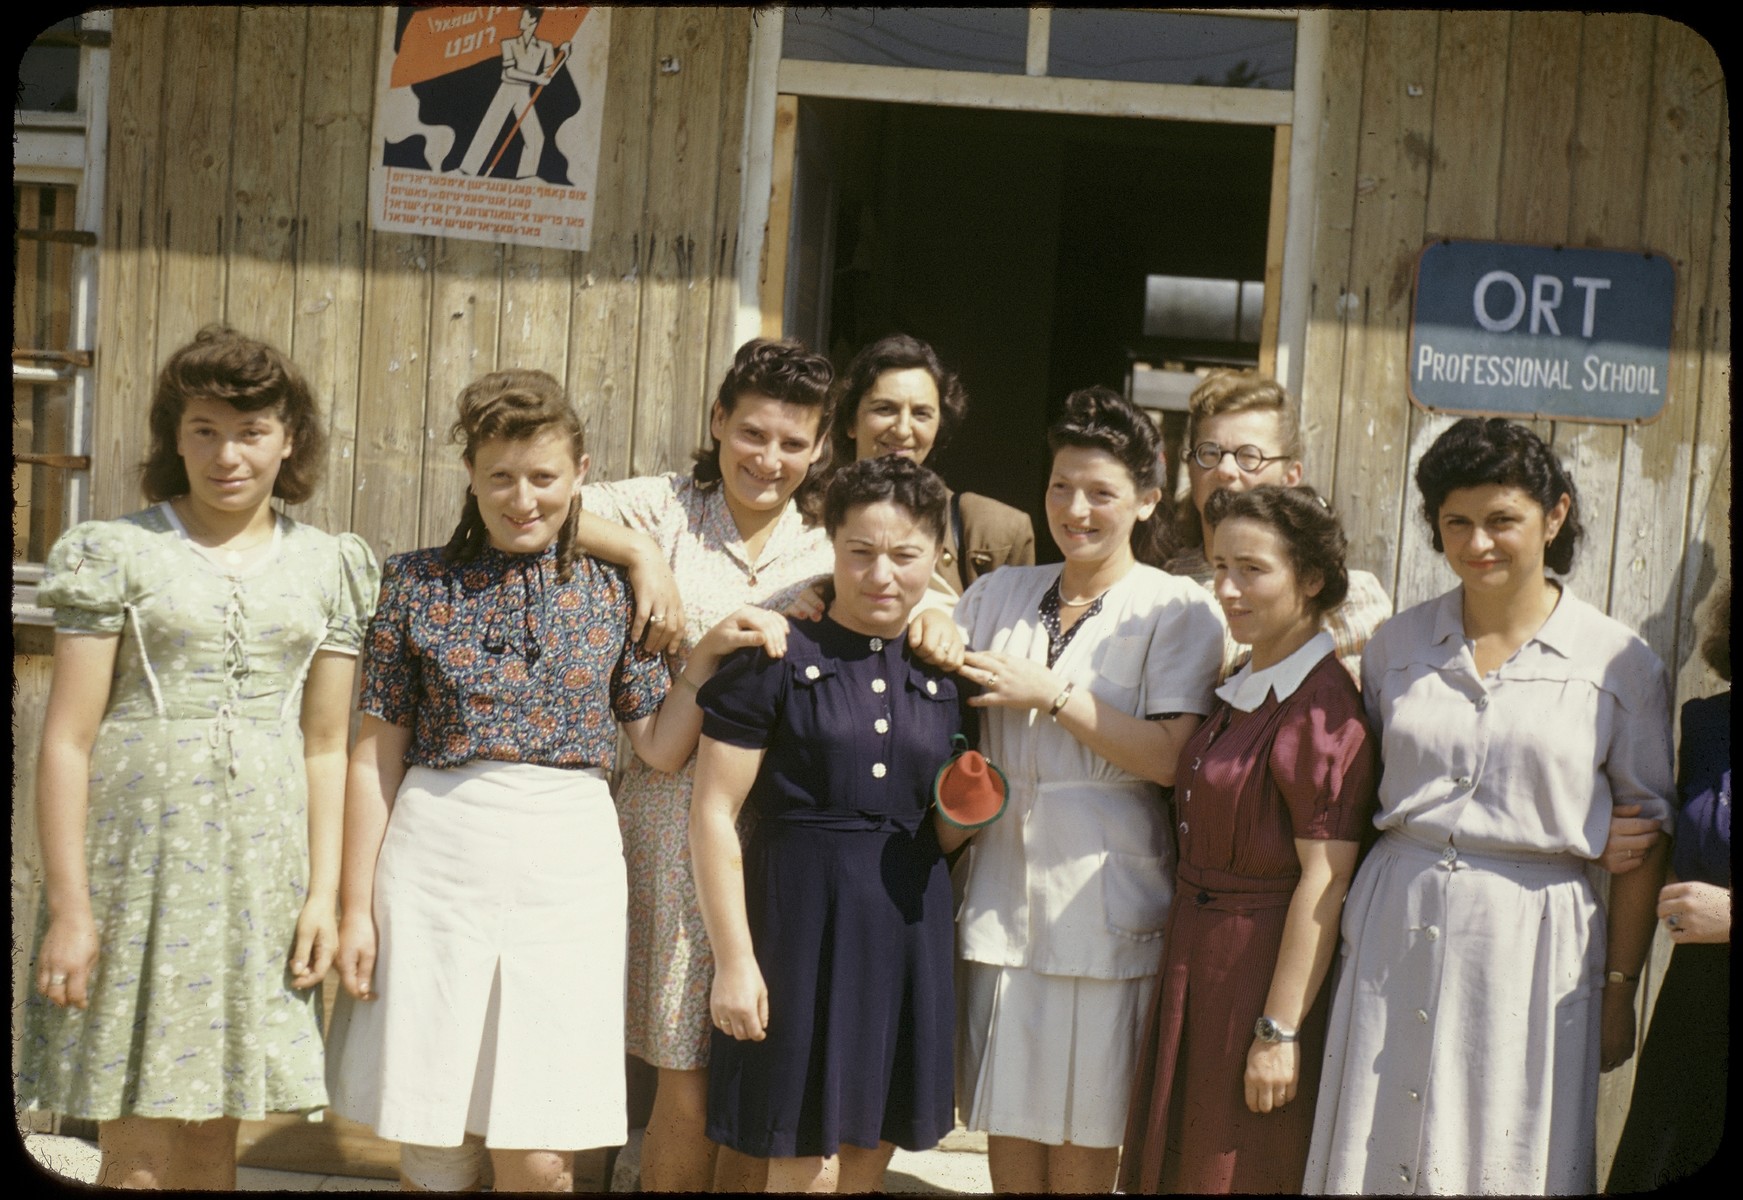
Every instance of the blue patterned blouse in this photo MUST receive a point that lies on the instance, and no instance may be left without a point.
(497, 659)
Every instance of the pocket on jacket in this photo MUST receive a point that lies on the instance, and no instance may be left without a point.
(1136, 891)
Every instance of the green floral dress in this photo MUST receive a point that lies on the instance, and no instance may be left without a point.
(197, 827)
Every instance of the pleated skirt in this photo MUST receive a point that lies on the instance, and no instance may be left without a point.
(1048, 1058)
(500, 911)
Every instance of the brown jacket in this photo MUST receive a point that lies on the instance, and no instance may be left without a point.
(993, 535)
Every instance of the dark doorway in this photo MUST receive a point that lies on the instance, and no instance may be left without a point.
(1019, 245)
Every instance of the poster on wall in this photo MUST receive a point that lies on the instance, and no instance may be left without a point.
(487, 123)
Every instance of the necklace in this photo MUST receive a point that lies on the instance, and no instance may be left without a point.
(1064, 603)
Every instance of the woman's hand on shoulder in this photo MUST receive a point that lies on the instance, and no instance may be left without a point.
(356, 954)
(1631, 836)
(1273, 1073)
(1695, 912)
(659, 608)
(808, 605)
(935, 638)
(67, 960)
(1007, 681)
(747, 626)
(317, 942)
(739, 1005)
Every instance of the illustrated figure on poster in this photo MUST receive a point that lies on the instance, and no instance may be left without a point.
(529, 64)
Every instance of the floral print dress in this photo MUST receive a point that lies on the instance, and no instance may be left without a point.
(671, 968)
(197, 822)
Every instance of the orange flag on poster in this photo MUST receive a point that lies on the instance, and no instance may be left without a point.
(440, 40)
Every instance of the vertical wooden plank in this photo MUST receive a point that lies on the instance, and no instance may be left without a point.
(1543, 66)
(391, 376)
(772, 288)
(1677, 220)
(1391, 199)
(537, 295)
(1537, 141)
(466, 309)
(1276, 224)
(1470, 98)
(327, 323)
(606, 299)
(680, 219)
(1334, 218)
(1608, 186)
(261, 288)
(198, 110)
(1707, 547)
(131, 259)
(729, 203)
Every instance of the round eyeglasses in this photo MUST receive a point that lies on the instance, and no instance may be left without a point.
(1209, 455)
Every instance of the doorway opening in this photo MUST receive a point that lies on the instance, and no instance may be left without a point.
(1024, 247)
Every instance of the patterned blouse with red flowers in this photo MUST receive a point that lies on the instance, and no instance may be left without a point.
(497, 659)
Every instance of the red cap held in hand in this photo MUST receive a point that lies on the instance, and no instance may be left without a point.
(970, 791)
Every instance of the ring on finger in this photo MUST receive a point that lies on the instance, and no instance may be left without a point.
(1672, 922)
(658, 619)
(57, 980)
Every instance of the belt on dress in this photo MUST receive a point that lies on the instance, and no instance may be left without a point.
(1517, 864)
(1211, 888)
(847, 822)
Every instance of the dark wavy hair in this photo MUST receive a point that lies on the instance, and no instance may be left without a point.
(1479, 451)
(897, 352)
(1716, 645)
(784, 371)
(1312, 535)
(1099, 418)
(248, 375)
(516, 406)
(891, 477)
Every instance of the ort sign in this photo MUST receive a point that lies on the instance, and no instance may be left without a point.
(1539, 331)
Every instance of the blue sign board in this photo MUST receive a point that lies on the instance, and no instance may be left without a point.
(1541, 331)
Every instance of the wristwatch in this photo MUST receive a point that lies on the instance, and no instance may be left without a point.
(1267, 1030)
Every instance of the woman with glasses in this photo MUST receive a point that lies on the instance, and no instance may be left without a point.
(1244, 431)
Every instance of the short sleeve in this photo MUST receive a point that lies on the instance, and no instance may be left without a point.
(391, 673)
(742, 700)
(1638, 759)
(643, 504)
(359, 581)
(968, 608)
(1325, 763)
(85, 578)
(1185, 654)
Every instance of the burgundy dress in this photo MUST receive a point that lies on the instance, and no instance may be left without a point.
(1249, 784)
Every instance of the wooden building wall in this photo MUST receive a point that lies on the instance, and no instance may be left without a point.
(1551, 128)
(238, 190)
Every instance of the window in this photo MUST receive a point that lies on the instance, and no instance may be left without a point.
(58, 131)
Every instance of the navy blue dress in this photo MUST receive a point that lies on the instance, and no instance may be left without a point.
(847, 895)
(1676, 1120)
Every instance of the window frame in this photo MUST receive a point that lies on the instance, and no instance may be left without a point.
(68, 149)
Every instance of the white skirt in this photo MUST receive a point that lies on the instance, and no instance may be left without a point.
(500, 908)
(1048, 1058)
